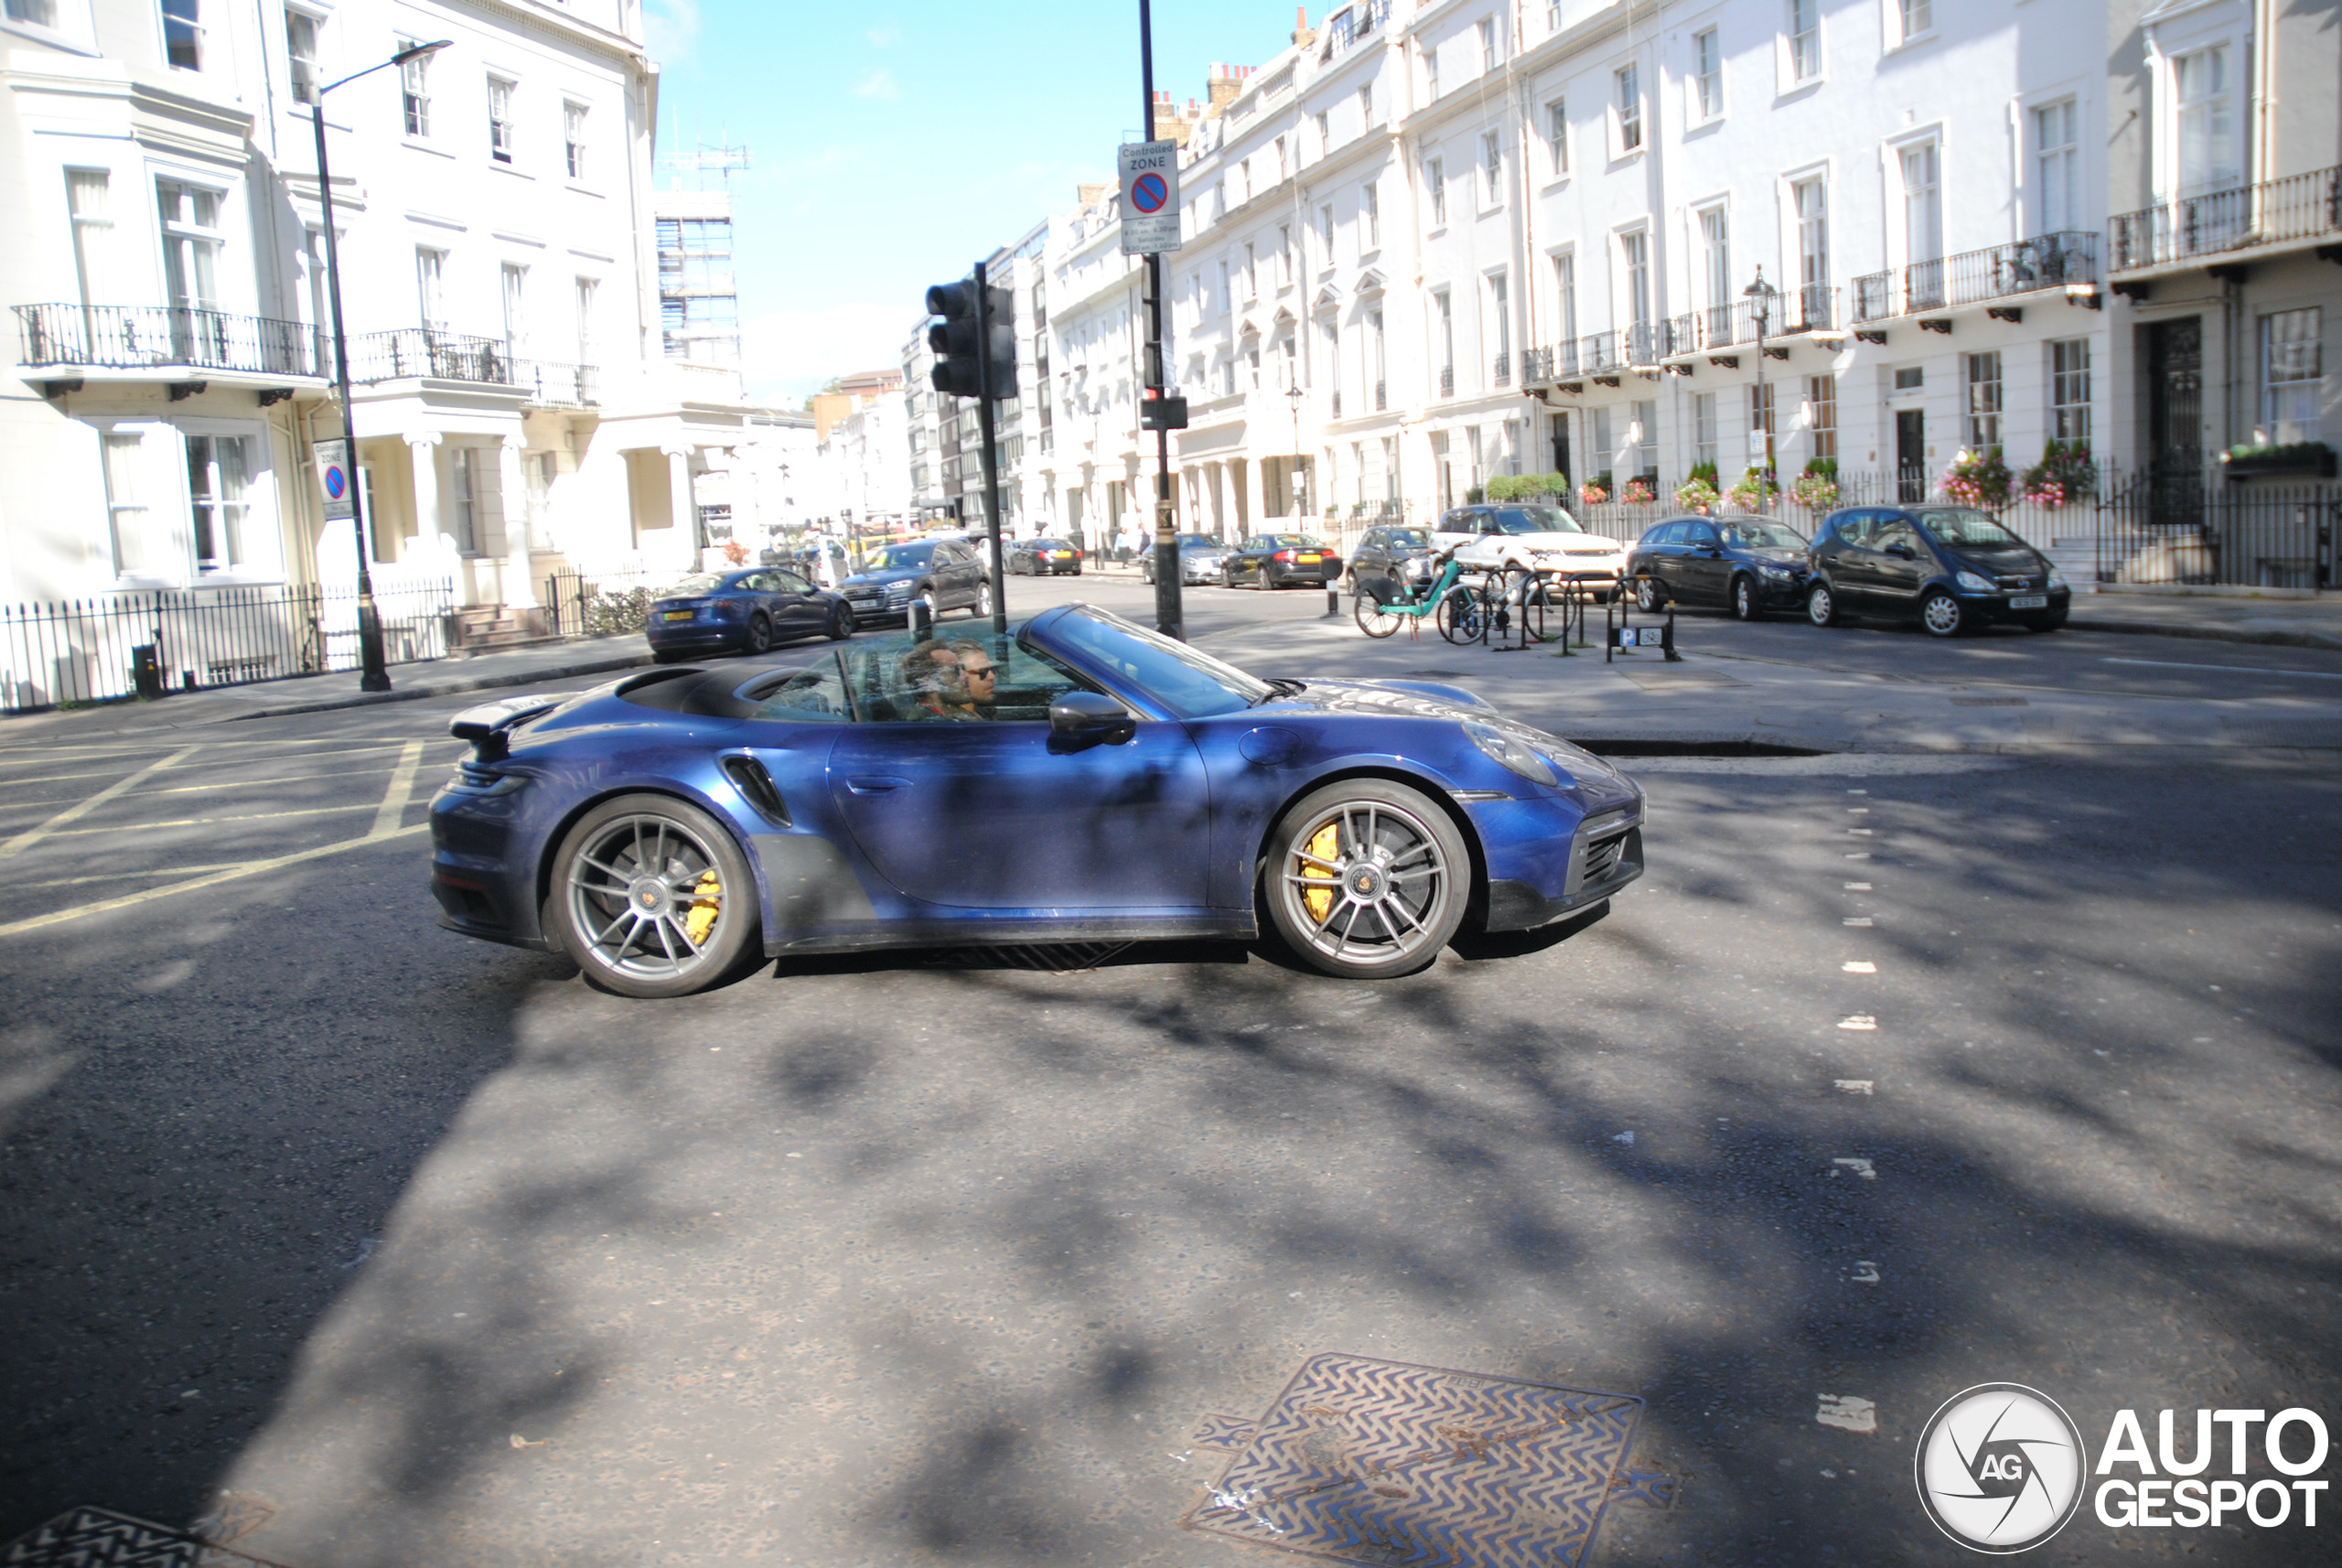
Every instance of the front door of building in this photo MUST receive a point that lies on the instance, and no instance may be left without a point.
(2174, 434)
(1910, 454)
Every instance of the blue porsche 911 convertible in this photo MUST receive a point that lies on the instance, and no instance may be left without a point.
(1079, 779)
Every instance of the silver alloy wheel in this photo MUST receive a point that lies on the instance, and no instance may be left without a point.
(1381, 878)
(983, 600)
(1744, 598)
(635, 891)
(1942, 614)
(1819, 607)
(1646, 595)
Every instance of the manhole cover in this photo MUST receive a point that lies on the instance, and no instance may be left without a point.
(93, 1538)
(1382, 1463)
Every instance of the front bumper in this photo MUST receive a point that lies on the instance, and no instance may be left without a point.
(1996, 605)
(1596, 870)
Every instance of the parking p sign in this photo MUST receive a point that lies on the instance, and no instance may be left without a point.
(1150, 197)
(335, 478)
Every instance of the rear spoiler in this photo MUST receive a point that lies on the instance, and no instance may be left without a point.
(488, 728)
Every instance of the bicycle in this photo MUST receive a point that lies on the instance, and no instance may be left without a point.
(1382, 605)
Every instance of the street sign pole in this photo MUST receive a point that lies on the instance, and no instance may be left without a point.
(1169, 610)
(984, 423)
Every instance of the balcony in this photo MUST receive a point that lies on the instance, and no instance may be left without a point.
(1337, 401)
(1502, 371)
(1598, 354)
(1381, 397)
(428, 354)
(2293, 211)
(1814, 308)
(1640, 343)
(1979, 277)
(170, 338)
(1448, 381)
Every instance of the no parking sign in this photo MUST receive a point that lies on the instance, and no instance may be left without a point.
(334, 475)
(1150, 172)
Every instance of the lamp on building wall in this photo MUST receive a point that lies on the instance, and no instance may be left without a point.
(1761, 296)
(374, 674)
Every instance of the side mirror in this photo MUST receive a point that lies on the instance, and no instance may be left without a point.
(1091, 715)
(1901, 552)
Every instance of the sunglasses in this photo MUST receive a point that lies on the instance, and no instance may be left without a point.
(984, 673)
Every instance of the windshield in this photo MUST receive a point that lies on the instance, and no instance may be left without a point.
(1297, 542)
(1759, 533)
(1192, 685)
(1535, 520)
(705, 582)
(1050, 544)
(899, 558)
(1408, 539)
(1958, 525)
(1197, 541)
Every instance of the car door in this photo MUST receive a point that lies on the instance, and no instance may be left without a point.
(1702, 563)
(1899, 562)
(797, 608)
(1846, 558)
(999, 813)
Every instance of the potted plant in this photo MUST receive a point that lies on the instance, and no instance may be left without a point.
(2064, 474)
(1594, 492)
(1979, 479)
(2314, 458)
(1755, 490)
(1816, 488)
(1699, 493)
(1637, 493)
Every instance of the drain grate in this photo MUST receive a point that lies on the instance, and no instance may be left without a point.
(95, 1537)
(1380, 1462)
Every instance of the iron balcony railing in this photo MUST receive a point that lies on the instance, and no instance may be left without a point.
(554, 385)
(1502, 369)
(159, 336)
(1979, 277)
(2298, 206)
(1812, 308)
(1599, 353)
(1640, 343)
(427, 353)
(1337, 401)
(1448, 381)
(1382, 396)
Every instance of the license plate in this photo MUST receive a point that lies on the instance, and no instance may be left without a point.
(1309, 560)
(678, 615)
(2030, 602)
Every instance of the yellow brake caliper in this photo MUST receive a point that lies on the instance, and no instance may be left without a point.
(1326, 846)
(700, 919)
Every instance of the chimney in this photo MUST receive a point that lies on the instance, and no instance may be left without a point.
(1302, 37)
(1220, 90)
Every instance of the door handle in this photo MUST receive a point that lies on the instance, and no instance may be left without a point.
(874, 783)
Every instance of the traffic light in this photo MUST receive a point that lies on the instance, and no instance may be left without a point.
(974, 314)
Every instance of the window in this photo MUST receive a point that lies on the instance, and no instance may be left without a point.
(586, 288)
(1377, 367)
(217, 488)
(39, 12)
(1281, 169)
(301, 54)
(516, 282)
(1715, 258)
(2069, 389)
(2292, 374)
(1251, 275)
(1557, 136)
(2208, 159)
(1634, 249)
(499, 119)
(1761, 406)
(1603, 453)
(1391, 467)
(1708, 68)
(1805, 39)
(1325, 132)
(1983, 400)
(414, 92)
(463, 491)
(540, 469)
(1370, 211)
(183, 34)
(1812, 244)
(1436, 180)
(1629, 98)
(1366, 106)
(1566, 306)
(1244, 178)
(1917, 17)
(1501, 313)
(190, 218)
(126, 517)
(89, 200)
(1488, 45)
(2057, 164)
(1492, 164)
(1822, 404)
(1431, 71)
(1703, 429)
(573, 139)
(1285, 254)
(1909, 378)
(1644, 435)
(1443, 314)
(1325, 234)
(430, 270)
(1227, 297)
(1922, 204)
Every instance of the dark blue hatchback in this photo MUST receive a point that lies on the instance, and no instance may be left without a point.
(748, 610)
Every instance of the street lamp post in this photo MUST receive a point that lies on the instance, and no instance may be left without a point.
(374, 674)
(1761, 294)
(1293, 394)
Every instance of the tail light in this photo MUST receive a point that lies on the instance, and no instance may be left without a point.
(1284, 556)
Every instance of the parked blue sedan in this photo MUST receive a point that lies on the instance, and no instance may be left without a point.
(748, 610)
(1080, 779)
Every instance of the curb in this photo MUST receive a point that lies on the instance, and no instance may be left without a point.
(448, 688)
(2268, 637)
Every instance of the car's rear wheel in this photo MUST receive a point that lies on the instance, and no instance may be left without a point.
(1747, 605)
(1647, 596)
(840, 623)
(1368, 879)
(1821, 606)
(983, 601)
(1942, 615)
(652, 898)
(759, 633)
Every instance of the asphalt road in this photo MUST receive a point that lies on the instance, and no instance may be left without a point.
(426, 1252)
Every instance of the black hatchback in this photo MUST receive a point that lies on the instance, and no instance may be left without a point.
(1402, 554)
(1950, 568)
(1748, 564)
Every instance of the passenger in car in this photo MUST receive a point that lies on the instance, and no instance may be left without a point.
(978, 677)
(935, 686)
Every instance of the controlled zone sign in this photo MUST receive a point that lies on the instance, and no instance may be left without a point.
(1150, 173)
(335, 479)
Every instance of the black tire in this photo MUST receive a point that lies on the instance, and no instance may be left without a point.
(1941, 615)
(1461, 616)
(1377, 861)
(1372, 617)
(759, 633)
(654, 851)
(1821, 606)
(1747, 602)
(1647, 596)
(983, 601)
(840, 623)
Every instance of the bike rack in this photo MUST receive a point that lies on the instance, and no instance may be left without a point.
(1619, 630)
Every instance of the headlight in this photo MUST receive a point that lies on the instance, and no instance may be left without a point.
(1510, 754)
(1774, 569)
(1974, 584)
(2056, 578)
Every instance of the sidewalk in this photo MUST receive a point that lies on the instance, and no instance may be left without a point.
(323, 693)
(2285, 623)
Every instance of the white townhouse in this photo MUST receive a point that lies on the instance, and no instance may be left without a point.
(517, 411)
(1427, 246)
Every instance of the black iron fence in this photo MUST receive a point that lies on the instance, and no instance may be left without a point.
(89, 650)
(604, 604)
(2298, 206)
(158, 336)
(2164, 529)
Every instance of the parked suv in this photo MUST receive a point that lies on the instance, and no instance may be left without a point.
(1748, 563)
(1538, 537)
(1950, 568)
(892, 577)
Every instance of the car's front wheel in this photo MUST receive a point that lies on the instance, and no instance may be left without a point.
(840, 623)
(1942, 615)
(1746, 604)
(652, 898)
(1368, 879)
(983, 601)
(759, 633)
(1821, 606)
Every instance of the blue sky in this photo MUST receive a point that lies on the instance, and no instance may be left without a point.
(894, 143)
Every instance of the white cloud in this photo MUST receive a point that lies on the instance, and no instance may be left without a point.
(788, 354)
(671, 29)
(885, 37)
(879, 83)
